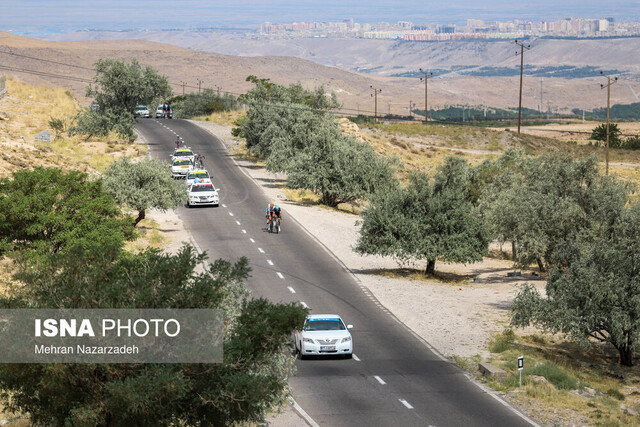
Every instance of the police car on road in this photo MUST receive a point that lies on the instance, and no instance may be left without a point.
(202, 194)
(324, 335)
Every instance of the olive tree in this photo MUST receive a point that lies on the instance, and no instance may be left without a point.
(428, 220)
(143, 185)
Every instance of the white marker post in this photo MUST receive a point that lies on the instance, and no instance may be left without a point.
(520, 368)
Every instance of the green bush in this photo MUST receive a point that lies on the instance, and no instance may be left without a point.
(503, 342)
(202, 104)
(631, 143)
(556, 376)
(615, 394)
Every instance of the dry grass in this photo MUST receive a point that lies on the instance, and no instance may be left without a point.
(149, 236)
(225, 118)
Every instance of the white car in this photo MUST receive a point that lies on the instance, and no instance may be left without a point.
(204, 194)
(161, 113)
(181, 166)
(198, 173)
(324, 334)
(183, 152)
(142, 111)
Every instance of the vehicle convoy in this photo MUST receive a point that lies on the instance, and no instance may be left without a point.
(204, 194)
(324, 335)
(142, 111)
(200, 174)
(181, 166)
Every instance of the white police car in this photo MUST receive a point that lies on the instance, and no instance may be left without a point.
(324, 335)
(204, 194)
(183, 152)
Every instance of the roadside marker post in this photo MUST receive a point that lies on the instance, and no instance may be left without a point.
(520, 368)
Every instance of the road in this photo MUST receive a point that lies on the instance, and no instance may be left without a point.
(393, 379)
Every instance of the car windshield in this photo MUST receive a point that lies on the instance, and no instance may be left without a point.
(199, 188)
(183, 153)
(324, 325)
(201, 175)
(140, 108)
(182, 162)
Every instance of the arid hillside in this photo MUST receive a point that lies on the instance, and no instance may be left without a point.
(229, 72)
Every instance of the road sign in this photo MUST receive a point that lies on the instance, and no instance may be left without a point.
(520, 363)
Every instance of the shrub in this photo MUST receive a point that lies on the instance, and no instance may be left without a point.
(503, 342)
(556, 376)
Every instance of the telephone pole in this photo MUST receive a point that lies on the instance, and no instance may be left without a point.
(608, 86)
(426, 106)
(375, 97)
(410, 111)
(199, 84)
(522, 48)
(218, 89)
(182, 83)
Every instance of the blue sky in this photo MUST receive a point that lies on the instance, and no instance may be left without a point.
(66, 15)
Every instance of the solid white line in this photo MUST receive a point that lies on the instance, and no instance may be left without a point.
(303, 414)
(269, 262)
(238, 222)
(304, 304)
(293, 291)
(279, 275)
(244, 231)
(356, 358)
(252, 241)
(405, 403)
(230, 213)
(380, 380)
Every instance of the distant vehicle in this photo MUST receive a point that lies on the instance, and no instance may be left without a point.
(162, 112)
(184, 152)
(202, 195)
(324, 334)
(198, 173)
(181, 166)
(143, 111)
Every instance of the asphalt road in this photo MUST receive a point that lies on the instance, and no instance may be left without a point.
(393, 379)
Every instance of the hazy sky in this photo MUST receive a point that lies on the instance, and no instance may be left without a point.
(66, 15)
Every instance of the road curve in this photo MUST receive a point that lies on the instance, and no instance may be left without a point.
(393, 379)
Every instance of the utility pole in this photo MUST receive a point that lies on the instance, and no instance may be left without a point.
(522, 48)
(182, 83)
(218, 89)
(540, 110)
(608, 86)
(375, 97)
(410, 111)
(389, 106)
(199, 84)
(426, 105)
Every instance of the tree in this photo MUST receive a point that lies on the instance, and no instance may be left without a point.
(202, 103)
(542, 203)
(599, 133)
(44, 211)
(250, 381)
(94, 123)
(143, 185)
(427, 220)
(597, 296)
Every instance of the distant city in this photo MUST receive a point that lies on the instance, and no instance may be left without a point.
(474, 29)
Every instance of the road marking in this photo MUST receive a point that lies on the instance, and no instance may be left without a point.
(238, 222)
(405, 403)
(244, 231)
(380, 380)
(269, 262)
(224, 206)
(356, 358)
(261, 251)
(230, 213)
(293, 291)
(252, 241)
(304, 304)
(279, 275)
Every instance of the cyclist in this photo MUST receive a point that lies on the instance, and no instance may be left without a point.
(276, 215)
(178, 142)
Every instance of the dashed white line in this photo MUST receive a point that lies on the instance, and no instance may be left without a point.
(261, 250)
(252, 241)
(304, 304)
(269, 262)
(224, 206)
(380, 380)
(279, 275)
(356, 358)
(244, 231)
(293, 291)
(230, 213)
(405, 403)
(238, 222)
